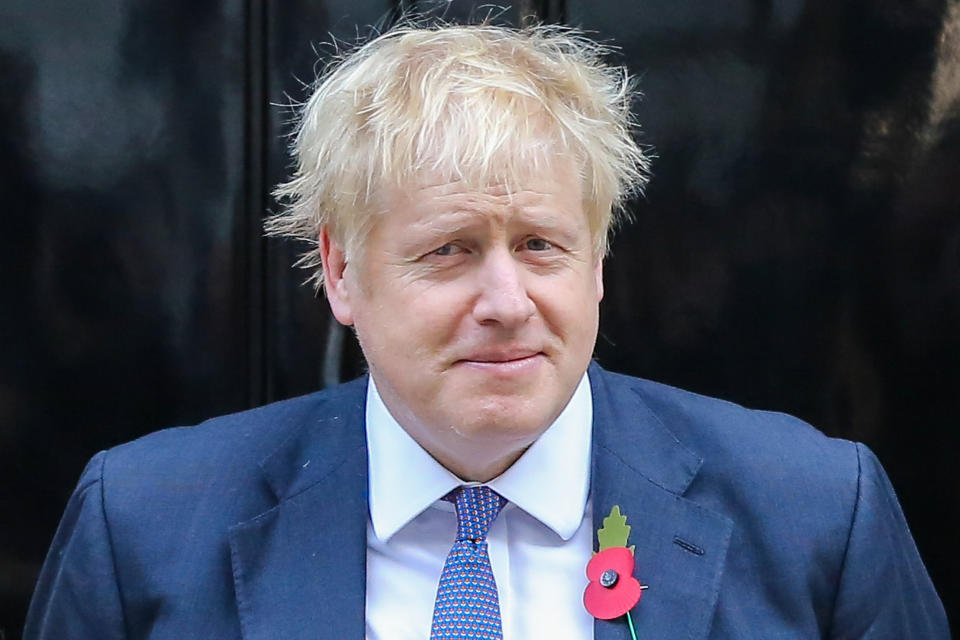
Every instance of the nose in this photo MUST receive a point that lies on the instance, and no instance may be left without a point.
(502, 297)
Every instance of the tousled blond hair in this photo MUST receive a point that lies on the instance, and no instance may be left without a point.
(479, 103)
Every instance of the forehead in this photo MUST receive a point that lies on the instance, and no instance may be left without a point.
(553, 193)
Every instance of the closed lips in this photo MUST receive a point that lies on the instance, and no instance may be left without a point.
(511, 356)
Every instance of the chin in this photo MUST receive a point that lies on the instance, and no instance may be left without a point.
(505, 422)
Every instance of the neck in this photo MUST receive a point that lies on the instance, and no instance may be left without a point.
(474, 468)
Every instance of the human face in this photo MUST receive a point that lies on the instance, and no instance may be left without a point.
(477, 312)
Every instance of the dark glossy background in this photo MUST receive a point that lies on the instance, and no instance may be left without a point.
(798, 249)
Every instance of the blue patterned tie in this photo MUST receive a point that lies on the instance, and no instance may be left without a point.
(467, 606)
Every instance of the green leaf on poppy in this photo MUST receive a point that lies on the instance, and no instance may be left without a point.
(615, 530)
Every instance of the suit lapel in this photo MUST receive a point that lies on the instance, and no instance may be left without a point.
(299, 569)
(680, 546)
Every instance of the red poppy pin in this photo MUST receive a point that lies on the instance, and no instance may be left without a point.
(613, 590)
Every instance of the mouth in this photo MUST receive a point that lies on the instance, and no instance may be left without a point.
(501, 356)
(503, 362)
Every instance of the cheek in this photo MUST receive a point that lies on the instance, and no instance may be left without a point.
(408, 323)
(570, 306)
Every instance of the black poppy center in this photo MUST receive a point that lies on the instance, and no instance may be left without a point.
(609, 578)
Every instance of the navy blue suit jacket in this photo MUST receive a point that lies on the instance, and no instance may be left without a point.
(747, 524)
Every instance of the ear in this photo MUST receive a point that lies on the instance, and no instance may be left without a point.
(335, 282)
(598, 274)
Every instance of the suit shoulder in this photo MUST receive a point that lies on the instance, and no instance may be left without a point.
(722, 425)
(227, 446)
(747, 443)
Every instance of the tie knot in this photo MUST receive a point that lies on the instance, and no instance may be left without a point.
(477, 508)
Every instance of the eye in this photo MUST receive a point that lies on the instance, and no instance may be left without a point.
(448, 249)
(537, 244)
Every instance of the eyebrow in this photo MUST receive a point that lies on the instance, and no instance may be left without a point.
(448, 225)
(448, 222)
(434, 228)
(548, 219)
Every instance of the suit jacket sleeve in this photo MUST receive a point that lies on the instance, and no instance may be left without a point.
(77, 595)
(884, 589)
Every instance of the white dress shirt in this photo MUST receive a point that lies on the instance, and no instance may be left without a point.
(539, 545)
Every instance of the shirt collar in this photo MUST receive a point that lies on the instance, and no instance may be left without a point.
(550, 481)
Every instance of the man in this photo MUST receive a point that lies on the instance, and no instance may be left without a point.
(458, 185)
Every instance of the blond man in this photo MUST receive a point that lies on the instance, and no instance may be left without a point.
(457, 187)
